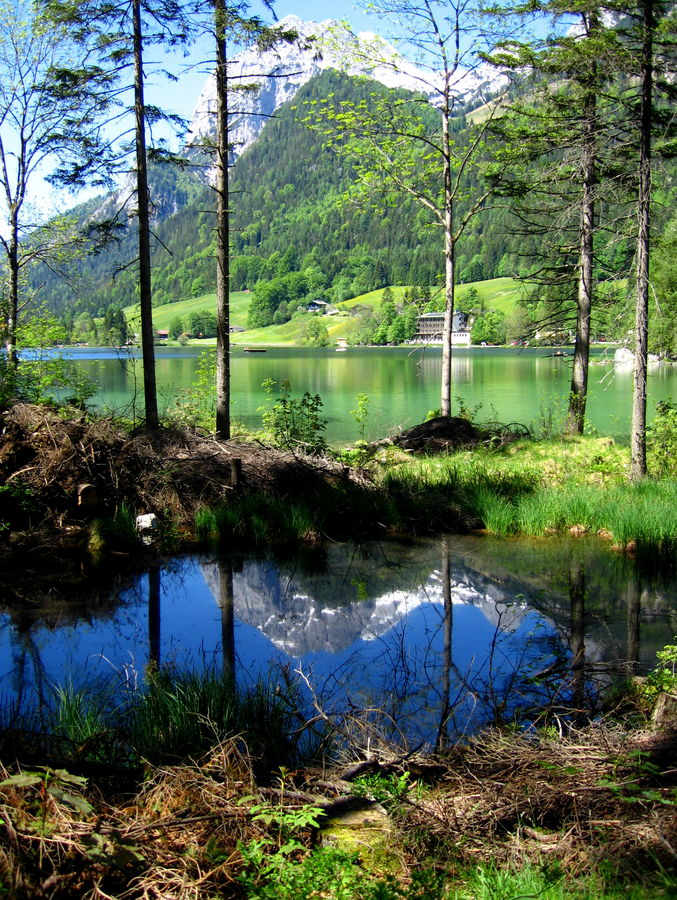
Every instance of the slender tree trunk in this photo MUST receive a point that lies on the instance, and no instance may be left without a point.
(449, 269)
(145, 288)
(12, 317)
(222, 228)
(638, 431)
(579, 377)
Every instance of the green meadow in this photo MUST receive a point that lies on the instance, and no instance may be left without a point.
(500, 294)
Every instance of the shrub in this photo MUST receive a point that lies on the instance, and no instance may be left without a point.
(295, 423)
(661, 439)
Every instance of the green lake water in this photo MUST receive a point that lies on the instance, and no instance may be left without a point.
(402, 384)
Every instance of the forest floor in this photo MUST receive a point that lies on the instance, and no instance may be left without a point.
(557, 814)
(61, 473)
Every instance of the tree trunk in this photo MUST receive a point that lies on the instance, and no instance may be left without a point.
(145, 289)
(12, 317)
(638, 431)
(449, 268)
(579, 377)
(222, 228)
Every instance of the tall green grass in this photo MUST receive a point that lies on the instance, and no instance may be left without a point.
(551, 882)
(178, 714)
(181, 714)
(538, 489)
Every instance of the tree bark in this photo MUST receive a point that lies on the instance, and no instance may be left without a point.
(145, 287)
(12, 317)
(222, 228)
(579, 377)
(449, 267)
(638, 430)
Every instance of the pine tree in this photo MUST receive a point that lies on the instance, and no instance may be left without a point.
(116, 34)
(562, 120)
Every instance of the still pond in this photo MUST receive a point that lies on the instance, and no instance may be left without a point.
(441, 636)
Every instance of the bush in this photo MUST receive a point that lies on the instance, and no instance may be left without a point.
(661, 440)
(295, 423)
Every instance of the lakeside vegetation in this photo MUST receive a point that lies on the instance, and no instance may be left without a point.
(191, 786)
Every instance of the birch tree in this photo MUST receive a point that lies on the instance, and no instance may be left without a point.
(411, 145)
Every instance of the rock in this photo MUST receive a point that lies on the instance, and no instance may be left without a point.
(147, 525)
(367, 832)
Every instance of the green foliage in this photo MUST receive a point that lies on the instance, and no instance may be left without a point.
(661, 440)
(637, 779)
(489, 329)
(294, 423)
(335, 872)
(317, 334)
(116, 533)
(361, 414)
(202, 324)
(19, 505)
(195, 407)
(181, 714)
(662, 677)
(386, 789)
(43, 374)
(56, 783)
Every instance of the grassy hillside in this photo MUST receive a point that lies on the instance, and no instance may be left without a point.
(499, 294)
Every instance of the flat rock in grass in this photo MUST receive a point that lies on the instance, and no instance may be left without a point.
(366, 831)
(439, 434)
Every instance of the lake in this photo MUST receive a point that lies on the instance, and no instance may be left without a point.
(441, 636)
(402, 384)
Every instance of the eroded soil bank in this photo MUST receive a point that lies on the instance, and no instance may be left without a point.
(60, 473)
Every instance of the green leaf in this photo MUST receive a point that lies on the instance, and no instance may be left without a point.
(73, 800)
(23, 779)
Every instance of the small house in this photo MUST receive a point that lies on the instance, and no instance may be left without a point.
(320, 306)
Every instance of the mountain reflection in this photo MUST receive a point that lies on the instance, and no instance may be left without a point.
(434, 637)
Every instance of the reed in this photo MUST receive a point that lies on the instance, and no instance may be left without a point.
(181, 714)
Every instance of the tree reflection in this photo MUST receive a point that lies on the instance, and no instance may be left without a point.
(634, 597)
(226, 601)
(154, 617)
(577, 639)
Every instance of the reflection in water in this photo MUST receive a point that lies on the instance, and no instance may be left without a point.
(226, 600)
(577, 642)
(634, 594)
(434, 637)
(154, 629)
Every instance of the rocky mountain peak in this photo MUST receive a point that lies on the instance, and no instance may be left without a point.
(279, 72)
